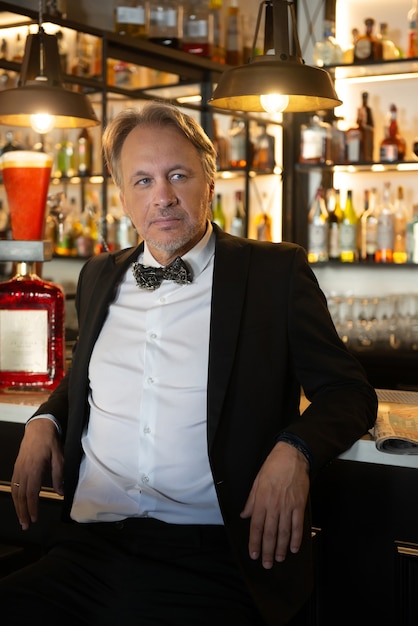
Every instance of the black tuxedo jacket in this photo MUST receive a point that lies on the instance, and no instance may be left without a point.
(270, 335)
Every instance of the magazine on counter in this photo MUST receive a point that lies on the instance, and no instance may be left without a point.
(396, 427)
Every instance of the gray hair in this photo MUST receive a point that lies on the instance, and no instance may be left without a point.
(155, 114)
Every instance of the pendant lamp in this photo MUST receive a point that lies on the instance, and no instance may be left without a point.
(278, 80)
(40, 99)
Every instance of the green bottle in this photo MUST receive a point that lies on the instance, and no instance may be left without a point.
(218, 215)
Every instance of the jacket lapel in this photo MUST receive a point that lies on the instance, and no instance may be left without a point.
(232, 258)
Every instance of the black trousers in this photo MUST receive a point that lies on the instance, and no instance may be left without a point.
(139, 572)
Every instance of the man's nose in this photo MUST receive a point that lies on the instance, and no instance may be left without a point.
(164, 193)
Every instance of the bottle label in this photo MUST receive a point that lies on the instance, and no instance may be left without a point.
(348, 237)
(198, 29)
(363, 49)
(24, 341)
(130, 15)
(389, 152)
(312, 144)
(165, 19)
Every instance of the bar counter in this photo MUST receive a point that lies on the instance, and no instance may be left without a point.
(364, 515)
(17, 407)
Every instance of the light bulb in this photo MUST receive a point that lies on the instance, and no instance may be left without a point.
(42, 122)
(274, 102)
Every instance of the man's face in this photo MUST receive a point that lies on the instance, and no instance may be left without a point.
(164, 191)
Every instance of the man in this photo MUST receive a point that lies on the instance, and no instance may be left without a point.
(187, 463)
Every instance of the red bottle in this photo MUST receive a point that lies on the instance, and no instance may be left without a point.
(32, 334)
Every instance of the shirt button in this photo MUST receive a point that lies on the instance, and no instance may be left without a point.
(145, 479)
(153, 335)
(150, 380)
(147, 430)
(162, 300)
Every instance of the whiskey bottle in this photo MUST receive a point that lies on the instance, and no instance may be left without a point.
(393, 145)
(222, 147)
(218, 49)
(366, 124)
(316, 141)
(32, 339)
(197, 29)
(166, 23)
(368, 47)
(131, 17)
(233, 41)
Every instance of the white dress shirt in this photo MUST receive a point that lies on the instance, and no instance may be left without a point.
(145, 447)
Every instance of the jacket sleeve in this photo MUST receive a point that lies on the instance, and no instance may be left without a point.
(343, 405)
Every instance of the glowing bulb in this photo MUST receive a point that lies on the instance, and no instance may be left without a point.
(274, 102)
(42, 122)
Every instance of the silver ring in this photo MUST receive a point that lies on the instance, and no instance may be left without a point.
(16, 484)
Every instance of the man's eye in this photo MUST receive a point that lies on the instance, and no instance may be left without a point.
(142, 181)
(178, 176)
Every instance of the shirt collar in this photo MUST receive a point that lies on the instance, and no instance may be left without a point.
(197, 258)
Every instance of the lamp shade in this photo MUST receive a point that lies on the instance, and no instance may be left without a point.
(40, 90)
(279, 74)
(308, 88)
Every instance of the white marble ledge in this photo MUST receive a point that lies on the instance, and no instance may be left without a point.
(19, 409)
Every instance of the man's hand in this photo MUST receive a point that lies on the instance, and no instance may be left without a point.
(276, 505)
(40, 451)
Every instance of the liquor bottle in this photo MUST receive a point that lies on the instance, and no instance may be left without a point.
(65, 158)
(315, 141)
(327, 51)
(368, 47)
(218, 48)
(32, 354)
(263, 222)
(412, 17)
(218, 216)
(264, 150)
(238, 142)
(318, 226)
(348, 231)
(393, 145)
(348, 54)
(338, 147)
(84, 153)
(400, 220)
(197, 28)
(238, 221)
(131, 17)
(389, 50)
(222, 147)
(166, 23)
(62, 51)
(412, 237)
(366, 123)
(56, 8)
(334, 220)
(233, 39)
(368, 228)
(385, 228)
(360, 137)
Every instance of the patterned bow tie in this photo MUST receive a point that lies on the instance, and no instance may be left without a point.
(150, 278)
